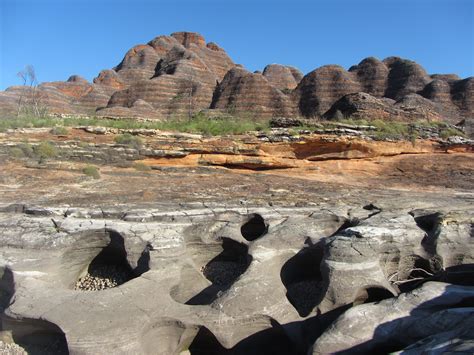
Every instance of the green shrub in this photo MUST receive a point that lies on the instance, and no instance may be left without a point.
(91, 171)
(130, 140)
(23, 150)
(141, 167)
(202, 124)
(199, 123)
(45, 150)
(59, 131)
(450, 132)
(16, 152)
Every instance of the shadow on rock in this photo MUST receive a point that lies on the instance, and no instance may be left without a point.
(294, 338)
(433, 324)
(303, 279)
(7, 289)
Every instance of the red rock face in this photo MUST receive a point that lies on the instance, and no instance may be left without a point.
(189, 38)
(110, 79)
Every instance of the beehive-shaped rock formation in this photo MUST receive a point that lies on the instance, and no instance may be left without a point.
(243, 92)
(180, 74)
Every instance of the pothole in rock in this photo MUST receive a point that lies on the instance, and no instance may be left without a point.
(34, 337)
(372, 294)
(110, 267)
(303, 280)
(254, 228)
(374, 209)
(348, 223)
(206, 343)
(412, 271)
(223, 270)
(431, 224)
(101, 276)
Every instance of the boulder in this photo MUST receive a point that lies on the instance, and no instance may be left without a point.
(362, 106)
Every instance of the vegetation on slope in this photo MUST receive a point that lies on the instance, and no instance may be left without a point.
(202, 124)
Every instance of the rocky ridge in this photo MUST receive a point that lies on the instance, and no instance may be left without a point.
(180, 75)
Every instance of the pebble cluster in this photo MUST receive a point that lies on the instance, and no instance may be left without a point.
(224, 273)
(304, 295)
(101, 277)
(11, 349)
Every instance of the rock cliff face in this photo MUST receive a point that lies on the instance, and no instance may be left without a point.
(181, 74)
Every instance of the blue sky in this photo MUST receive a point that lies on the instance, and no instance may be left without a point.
(60, 38)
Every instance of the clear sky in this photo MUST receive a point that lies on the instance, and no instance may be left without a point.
(64, 37)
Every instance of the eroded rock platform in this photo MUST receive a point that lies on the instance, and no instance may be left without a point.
(356, 253)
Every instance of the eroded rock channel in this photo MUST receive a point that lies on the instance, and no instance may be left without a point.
(226, 280)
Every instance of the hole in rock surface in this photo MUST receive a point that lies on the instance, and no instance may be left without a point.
(232, 262)
(109, 268)
(38, 337)
(254, 227)
(460, 275)
(418, 271)
(429, 223)
(223, 270)
(205, 343)
(7, 288)
(353, 222)
(371, 207)
(374, 209)
(302, 278)
(270, 341)
(372, 294)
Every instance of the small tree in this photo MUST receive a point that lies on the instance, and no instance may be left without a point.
(31, 98)
(193, 88)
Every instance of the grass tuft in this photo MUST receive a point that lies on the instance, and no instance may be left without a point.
(91, 171)
(130, 140)
(59, 131)
(45, 150)
(141, 167)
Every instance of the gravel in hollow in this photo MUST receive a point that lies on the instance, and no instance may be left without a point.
(11, 349)
(101, 277)
(223, 273)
